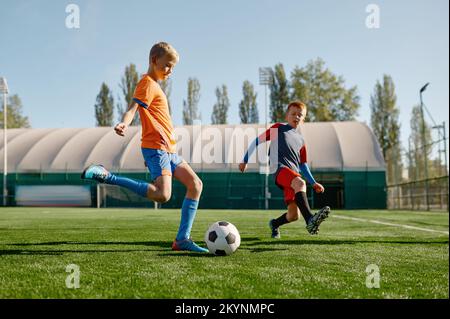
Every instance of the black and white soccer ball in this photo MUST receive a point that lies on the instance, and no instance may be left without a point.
(222, 238)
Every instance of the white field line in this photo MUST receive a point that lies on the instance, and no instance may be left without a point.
(390, 224)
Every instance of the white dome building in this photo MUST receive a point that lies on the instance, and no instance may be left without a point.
(344, 156)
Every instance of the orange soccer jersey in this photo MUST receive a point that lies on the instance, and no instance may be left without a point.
(157, 128)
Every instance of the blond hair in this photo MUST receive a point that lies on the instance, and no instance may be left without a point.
(162, 48)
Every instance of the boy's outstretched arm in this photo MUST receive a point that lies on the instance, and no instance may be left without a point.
(264, 137)
(251, 149)
(127, 117)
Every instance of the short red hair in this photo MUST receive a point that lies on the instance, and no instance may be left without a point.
(298, 104)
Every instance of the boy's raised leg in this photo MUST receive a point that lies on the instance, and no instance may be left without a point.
(159, 192)
(302, 203)
(317, 219)
(312, 221)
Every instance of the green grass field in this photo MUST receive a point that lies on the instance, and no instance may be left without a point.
(125, 253)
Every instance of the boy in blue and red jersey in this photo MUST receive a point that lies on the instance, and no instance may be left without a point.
(289, 145)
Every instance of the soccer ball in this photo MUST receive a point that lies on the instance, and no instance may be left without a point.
(222, 238)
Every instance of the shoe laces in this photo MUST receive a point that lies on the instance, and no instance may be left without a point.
(100, 173)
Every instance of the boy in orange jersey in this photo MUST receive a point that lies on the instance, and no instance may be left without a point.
(158, 147)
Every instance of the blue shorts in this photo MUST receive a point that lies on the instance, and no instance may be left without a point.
(160, 162)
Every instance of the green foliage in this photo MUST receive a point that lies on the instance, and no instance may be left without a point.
(190, 106)
(14, 112)
(279, 94)
(386, 127)
(324, 93)
(220, 109)
(420, 152)
(128, 85)
(104, 106)
(248, 109)
(166, 86)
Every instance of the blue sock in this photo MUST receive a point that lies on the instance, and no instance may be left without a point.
(137, 186)
(188, 211)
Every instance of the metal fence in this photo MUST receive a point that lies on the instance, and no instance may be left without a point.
(417, 176)
(417, 195)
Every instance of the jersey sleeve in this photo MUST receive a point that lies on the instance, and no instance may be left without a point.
(304, 168)
(303, 155)
(144, 93)
(268, 134)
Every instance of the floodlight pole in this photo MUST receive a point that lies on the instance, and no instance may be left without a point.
(5, 140)
(424, 147)
(265, 79)
(5, 149)
(266, 181)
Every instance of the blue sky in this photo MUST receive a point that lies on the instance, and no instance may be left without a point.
(58, 71)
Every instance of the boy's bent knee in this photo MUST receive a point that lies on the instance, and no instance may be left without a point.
(298, 184)
(165, 196)
(161, 196)
(196, 185)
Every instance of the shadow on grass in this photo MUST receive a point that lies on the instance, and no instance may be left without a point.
(261, 250)
(186, 254)
(30, 252)
(344, 242)
(203, 255)
(248, 243)
(245, 239)
(71, 251)
(164, 244)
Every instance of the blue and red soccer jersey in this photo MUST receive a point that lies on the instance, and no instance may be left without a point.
(288, 150)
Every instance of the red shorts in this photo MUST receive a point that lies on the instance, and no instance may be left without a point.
(283, 180)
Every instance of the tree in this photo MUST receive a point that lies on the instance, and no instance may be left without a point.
(279, 94)
(220, 109)
(248, 110)
(128, 85)
(190, 106)
(15, 117)
(394, 164)
(166, 86)
(324, 93)
(104, 107)
(386, 126)
(418, 153)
